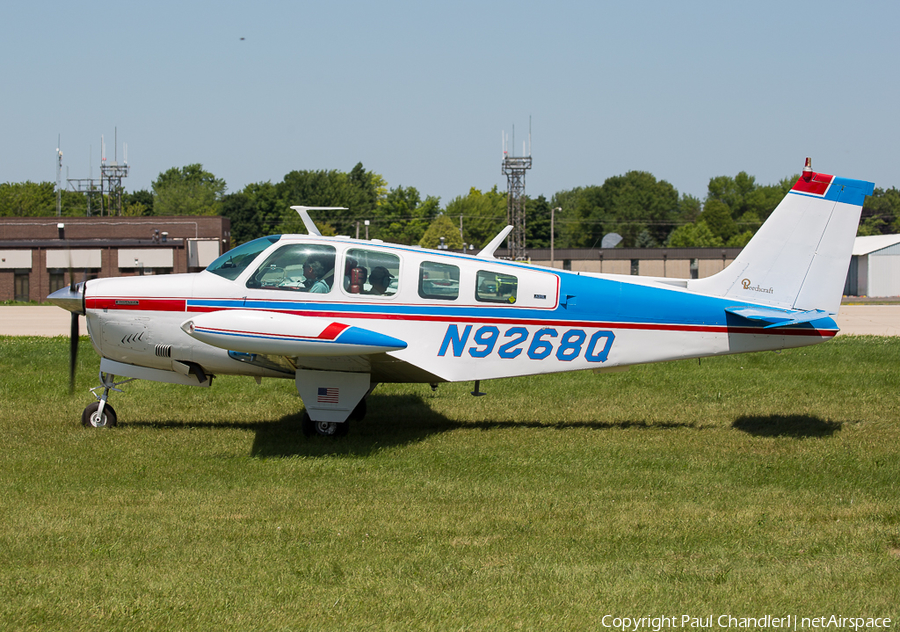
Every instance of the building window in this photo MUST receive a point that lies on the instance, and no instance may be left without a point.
(567, 264)
(22, 286)
(57, 280)
(695, 268)
(635, 267)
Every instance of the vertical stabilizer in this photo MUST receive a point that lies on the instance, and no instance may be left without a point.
(799, 257)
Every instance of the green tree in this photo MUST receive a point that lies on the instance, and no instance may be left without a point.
(537, 222)
(267, 207)
(483, 215)
(402, 217)
(630, 204)
(637, 202)
(881, 212)
(572, 227)
(646, 240)
(739, 240)
(442, 227)
(138, 203)
(697, 235)
(246, 223)
(742, 195)
(717, 217)
(27, 199)
(359, 192)
(187, 191)
(689, 208)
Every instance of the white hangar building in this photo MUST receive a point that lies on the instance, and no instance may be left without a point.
(874, 267)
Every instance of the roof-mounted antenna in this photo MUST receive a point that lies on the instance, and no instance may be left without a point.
(529, 134)
(307, 220)
(488, 251)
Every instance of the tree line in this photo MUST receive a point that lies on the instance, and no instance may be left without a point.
(646, 212)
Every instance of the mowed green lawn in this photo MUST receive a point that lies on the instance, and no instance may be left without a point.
(745, 485)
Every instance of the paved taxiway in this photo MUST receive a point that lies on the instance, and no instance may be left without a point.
(49, 320)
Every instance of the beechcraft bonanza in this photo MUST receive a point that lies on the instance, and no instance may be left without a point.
(339, 315)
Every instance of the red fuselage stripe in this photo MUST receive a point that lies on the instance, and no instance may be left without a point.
(180, 305)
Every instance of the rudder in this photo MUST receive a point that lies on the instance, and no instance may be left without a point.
(800, 256)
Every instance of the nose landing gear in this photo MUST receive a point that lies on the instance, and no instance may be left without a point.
(100, 414)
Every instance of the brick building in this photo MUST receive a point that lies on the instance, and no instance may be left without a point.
(36, 253)
(673, 263)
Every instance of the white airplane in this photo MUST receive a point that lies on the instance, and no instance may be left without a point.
(339, 315)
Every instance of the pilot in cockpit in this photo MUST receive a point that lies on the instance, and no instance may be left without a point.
(314, 271)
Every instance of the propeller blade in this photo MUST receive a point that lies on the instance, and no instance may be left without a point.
(73, 352)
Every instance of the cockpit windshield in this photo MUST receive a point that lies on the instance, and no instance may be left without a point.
(232, 263)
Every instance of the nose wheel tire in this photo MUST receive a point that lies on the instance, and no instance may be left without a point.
(91, 417)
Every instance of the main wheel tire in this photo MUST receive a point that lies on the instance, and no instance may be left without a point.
(359, 413)
(306, 425)
(323, 428)
(91, 418)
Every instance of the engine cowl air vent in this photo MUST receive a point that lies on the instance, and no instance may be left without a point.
(164, 351)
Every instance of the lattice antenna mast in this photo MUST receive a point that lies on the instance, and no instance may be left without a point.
(111, 175)
(514, 168)
(110, 181)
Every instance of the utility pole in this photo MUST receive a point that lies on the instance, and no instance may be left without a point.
(58, 176)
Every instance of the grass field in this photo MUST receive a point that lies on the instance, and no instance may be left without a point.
(764, 484)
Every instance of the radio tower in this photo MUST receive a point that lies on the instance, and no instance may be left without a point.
(514, 169)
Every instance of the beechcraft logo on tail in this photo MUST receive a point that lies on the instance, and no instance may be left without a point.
(748, 285)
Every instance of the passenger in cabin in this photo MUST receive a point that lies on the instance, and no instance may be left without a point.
(380, 279)
(349, 264)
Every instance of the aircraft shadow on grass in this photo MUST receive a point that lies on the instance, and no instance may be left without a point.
(796, 426)
(405, 420)
(400, 420)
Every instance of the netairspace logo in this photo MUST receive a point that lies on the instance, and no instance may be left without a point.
(727, 621)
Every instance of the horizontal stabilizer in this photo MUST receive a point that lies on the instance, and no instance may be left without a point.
(778, 317)
(280, 334)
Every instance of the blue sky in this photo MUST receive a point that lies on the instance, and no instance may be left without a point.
(422, 92)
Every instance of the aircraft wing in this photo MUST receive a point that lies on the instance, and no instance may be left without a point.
(777, 317)
(279, 334)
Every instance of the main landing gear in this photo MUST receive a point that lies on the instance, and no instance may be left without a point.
(332, 428)
(100, 414)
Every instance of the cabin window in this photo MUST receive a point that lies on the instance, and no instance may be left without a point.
(493, 287)
(439, 281)
(297, 268)
(232, 263)
(371, 272)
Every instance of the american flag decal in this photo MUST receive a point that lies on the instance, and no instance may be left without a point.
(327, 395)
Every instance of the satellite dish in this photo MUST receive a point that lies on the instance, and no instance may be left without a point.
(611, 240)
